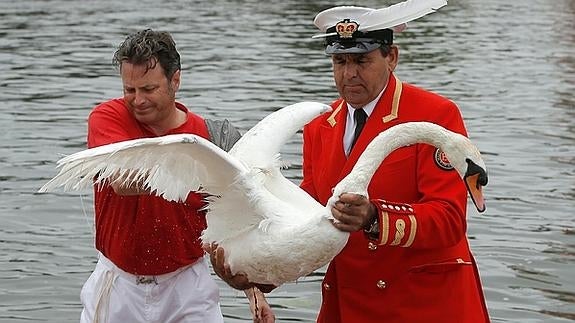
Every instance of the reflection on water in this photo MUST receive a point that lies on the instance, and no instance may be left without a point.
(510, 66)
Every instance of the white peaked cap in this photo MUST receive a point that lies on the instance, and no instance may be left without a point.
(394, 17)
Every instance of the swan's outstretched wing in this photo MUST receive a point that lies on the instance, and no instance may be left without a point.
(172, 166)
(260, 146)
(259, 149)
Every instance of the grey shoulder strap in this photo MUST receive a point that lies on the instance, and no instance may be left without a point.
(222, 133)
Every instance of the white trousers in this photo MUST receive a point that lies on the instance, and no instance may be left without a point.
(188, 295)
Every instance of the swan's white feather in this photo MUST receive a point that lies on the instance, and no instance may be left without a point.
(261, 145)
(282, 205)
(172, 165)
(394, 17)
(259, 149)
(399, 14)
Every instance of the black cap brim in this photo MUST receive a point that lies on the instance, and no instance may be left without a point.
(358, 43)
(352, 47)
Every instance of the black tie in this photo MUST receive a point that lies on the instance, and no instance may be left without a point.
(360, 116)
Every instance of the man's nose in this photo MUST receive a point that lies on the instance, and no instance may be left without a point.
(350, 71)
(139, 97)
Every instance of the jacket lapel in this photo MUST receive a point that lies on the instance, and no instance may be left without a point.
(335, 165)
(332, 143)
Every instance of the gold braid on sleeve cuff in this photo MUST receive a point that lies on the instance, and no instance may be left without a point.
(396, 222)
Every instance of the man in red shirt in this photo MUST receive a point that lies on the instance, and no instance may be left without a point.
(151, 265)
(408, 257)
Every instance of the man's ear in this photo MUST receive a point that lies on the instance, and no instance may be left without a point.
(393, 57)
(176, 80)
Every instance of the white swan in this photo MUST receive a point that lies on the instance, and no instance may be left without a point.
(270, 228)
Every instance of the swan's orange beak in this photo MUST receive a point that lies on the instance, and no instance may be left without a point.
(475, 179)
(475, 191)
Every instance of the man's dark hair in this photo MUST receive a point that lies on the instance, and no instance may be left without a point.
(385, 50)
(148, 47)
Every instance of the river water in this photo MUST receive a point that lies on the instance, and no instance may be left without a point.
(509, 65)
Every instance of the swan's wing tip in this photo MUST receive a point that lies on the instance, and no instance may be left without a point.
(320, 107)
(162, 163)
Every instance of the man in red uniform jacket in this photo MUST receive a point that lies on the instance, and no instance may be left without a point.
(407, 259)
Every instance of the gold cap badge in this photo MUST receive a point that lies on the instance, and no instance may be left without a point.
(346, 28)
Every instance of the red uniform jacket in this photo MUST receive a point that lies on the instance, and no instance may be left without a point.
(420, 269)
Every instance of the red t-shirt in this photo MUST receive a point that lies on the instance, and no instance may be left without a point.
(144, 234)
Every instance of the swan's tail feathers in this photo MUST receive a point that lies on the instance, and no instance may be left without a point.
(273, 131)
(169, 166)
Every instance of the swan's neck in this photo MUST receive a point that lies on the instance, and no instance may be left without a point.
(383, 144)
